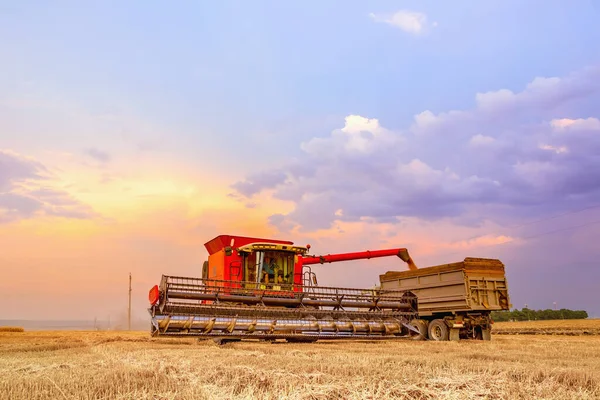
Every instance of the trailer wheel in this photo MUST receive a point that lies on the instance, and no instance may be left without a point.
(421, 326)
(438, 330)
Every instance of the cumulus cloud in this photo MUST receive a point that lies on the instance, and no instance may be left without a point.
(533, 157)
(359, 136)
(412, 22)
(25, 192)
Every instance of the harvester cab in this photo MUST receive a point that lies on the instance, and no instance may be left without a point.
(253, 262)
(265, 289)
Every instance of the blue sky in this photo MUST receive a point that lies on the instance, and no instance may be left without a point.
(347, 124)
(230, 69)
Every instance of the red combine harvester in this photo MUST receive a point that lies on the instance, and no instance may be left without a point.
(261, 288)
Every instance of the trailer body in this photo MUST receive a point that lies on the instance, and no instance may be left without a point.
(455, 300)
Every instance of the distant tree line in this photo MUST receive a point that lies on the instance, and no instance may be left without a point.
(527, 314)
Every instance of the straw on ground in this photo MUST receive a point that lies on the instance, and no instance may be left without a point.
(122, 365)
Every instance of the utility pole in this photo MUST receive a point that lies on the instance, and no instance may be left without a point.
(129, 308)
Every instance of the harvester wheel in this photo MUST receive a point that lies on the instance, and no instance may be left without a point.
(438, 330)
(300, 340)
(222, 341)
(421, 326)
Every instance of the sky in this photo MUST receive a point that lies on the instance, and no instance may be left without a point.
(132, 133)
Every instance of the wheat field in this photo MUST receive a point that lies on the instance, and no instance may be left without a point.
(574, 327)
(131, 365)
(11, 329)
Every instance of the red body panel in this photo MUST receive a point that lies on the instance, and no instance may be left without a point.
(225, 263)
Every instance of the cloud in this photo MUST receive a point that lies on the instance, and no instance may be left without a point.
(542, 94)
(14, 167)
(98, 155)
(25, 192)
(359, 136)
(557, 150)
(481, 241)
(256, 183)
(409, 21)
(15, 206)
(481, 140)
(534, 158)
(592, 124)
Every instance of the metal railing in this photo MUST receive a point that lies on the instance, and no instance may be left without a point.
(176, 288)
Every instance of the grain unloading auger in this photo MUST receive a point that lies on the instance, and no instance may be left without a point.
(265, 289)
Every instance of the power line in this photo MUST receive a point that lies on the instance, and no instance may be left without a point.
(534, 222)
(553, 217)
(531, 236)
(562, 229)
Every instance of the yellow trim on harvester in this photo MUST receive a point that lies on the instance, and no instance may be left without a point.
(272, 246)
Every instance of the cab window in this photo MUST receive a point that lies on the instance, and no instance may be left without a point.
(277, 267)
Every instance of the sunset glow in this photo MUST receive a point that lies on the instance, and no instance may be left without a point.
(126, 144)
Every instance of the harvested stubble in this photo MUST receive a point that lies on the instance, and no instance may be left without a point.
(568, 327)
(11, 329)
(110, 365)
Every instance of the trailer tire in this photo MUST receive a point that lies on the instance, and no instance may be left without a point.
(438, 330)
(421, 326)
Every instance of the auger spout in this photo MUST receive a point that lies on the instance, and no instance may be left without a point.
(402, 253)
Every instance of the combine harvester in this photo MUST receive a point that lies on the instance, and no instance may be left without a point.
(255, 288)
(265, 289)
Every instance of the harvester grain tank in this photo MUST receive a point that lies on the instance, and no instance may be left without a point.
(253, 288)
(455, 300)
